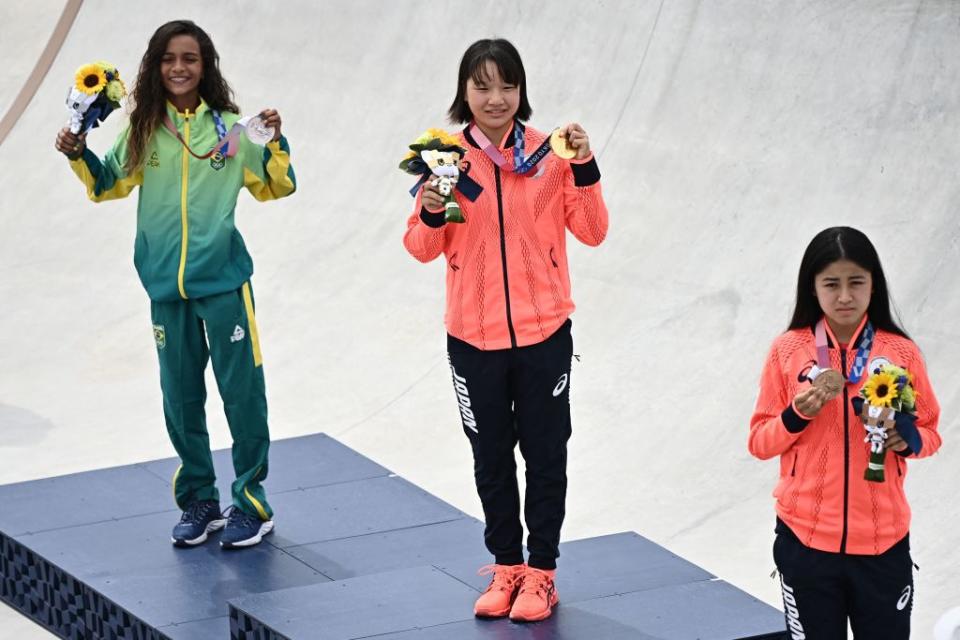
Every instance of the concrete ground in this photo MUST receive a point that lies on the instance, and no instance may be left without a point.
(728, 134)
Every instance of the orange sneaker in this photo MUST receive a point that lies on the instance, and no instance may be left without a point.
(537, 597)
(498, 598)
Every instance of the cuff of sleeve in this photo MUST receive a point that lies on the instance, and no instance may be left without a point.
(82, 156)
(585, 172)
(905, 453)
(279, 145)
(793, 420)
(431, 219)
(907, 428)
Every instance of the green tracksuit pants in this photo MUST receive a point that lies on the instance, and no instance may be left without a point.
(221, 328)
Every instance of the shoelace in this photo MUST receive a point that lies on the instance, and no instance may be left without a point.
(505, 577)
(196, 512)
(237, 517)
(536, 581)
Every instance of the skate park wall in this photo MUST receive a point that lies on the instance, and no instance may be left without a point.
(727, 134)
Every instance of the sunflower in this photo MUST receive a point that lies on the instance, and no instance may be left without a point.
(881, 389)
(90, 79)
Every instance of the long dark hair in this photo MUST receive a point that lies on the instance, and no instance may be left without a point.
(828, 246)
(149, 96)
(473, 65)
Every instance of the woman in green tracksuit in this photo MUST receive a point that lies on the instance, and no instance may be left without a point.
(193, 263)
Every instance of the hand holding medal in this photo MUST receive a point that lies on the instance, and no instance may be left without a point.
(829, 381)
(263, 127)
(570, 142)
(810, 401)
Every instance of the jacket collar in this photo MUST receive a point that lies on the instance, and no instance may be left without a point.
(173, 113)
(508, 137)
(854, 339)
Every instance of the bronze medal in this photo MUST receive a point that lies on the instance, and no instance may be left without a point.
(558, 144)
(831, 381)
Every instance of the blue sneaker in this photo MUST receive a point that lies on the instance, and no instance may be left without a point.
(197, 521)
(244, 530)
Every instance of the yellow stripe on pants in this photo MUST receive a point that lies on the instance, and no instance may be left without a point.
(252, 322)
(256, 503)
(176, 475)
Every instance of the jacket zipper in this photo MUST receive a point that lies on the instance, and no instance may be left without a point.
(184, 231)
(503, 257)
(793, 468)
(846, 450)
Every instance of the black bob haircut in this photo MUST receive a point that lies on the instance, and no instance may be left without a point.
(473, 65)
(828, 246)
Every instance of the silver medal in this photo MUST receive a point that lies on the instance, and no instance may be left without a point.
(256, 130)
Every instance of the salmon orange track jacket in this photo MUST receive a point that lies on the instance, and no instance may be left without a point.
(822, 495)
(507, 279)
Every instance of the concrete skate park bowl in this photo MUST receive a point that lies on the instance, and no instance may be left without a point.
(728, 134)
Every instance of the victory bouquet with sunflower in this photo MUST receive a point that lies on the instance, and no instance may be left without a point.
(97, 90)
(437, 154)
(886, 399)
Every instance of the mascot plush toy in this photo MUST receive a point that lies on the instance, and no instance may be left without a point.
(436, 154)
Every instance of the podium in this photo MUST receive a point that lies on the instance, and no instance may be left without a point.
(358, 552)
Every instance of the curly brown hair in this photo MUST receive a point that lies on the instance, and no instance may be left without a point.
(149, 96)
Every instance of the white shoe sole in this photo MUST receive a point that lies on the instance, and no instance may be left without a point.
(265, 528)
(213, 525)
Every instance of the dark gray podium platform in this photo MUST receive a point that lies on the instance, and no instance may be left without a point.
(358, 552)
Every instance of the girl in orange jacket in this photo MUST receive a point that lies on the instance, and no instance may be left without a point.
(842, 545)
(507, 315)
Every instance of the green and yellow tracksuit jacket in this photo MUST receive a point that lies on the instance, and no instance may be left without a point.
(187, 245)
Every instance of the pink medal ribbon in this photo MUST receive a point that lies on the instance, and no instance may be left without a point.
(521, 166)
(859, 365)
(227, 144)
(488, 147)
(823, 354)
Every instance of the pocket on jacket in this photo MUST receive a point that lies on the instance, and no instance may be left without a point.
(141, 252)
(239, 256)
(786, 482)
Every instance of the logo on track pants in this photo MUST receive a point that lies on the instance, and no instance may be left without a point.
(463, 400)
(793, 614)
(160, 336)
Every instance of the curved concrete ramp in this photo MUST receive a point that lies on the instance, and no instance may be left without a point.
(28, 56)
(727, 133)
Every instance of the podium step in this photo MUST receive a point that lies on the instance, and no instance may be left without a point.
(357, 550)
(617, 587)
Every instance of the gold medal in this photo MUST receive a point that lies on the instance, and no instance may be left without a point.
(831, 381)
(559, 145)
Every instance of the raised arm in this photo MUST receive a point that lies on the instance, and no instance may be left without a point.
(105, 179)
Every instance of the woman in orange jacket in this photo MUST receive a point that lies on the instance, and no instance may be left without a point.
(842, 544)
(507, 315)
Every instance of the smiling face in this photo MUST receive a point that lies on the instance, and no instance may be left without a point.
(843, 290)
(181, 69)
(493, 102)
